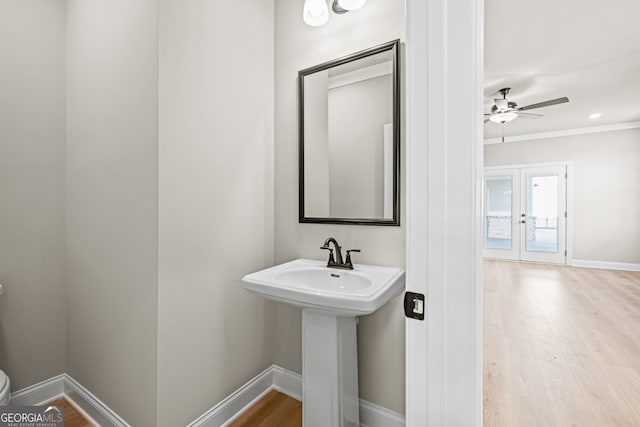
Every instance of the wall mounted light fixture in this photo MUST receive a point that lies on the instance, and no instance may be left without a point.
(347, 5)
(316, 12)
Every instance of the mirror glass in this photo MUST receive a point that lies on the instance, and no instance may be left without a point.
(350, 139)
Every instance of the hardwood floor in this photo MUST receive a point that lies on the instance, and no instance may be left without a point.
(561, 346)
(72, 418)
(273, 410)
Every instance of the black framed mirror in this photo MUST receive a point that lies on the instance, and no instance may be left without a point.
(349, 139)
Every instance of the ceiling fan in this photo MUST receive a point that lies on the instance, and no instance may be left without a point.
(504, 111)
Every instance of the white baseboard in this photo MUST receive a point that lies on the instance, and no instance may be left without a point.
(372, 415)
(40, 393)
(100, 413)
(82, 399)
(237, 402)
(605, 265)
(289, 383)
(274, 377)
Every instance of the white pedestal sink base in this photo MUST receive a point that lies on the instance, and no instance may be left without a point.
(330, 300)
(329, 370)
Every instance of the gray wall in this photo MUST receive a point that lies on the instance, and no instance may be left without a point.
(216, 200)
(381, 335)
(112, 202)
(606, 188)
(32, 310)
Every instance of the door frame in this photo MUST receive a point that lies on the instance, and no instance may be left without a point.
(444, 164)
(569, 197)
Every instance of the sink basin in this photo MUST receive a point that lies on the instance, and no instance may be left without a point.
(330, 300)
(310, 284)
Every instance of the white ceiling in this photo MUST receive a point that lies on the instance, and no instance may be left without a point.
(586, 50)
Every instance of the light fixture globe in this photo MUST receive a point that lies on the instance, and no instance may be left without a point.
(315, 12)
(351, 4)
(503, 117)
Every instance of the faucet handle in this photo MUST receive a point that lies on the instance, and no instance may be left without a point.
(348, 260)
(331, 259)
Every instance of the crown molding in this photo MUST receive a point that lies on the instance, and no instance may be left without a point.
(565, 132)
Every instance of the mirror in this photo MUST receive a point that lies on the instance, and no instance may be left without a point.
(349, 139)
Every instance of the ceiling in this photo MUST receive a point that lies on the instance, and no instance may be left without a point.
(586, 50)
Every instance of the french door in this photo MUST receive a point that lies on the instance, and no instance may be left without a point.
(525, 214)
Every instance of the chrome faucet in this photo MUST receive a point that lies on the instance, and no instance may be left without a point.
(337, 262)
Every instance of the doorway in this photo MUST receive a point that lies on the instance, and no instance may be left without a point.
(525, 213)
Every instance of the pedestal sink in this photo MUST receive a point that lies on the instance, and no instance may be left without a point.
(330, 300)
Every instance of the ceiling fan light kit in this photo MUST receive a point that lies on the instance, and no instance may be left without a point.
(503, 117)
(504, 111)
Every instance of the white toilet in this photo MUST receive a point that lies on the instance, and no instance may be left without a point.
(5, 389)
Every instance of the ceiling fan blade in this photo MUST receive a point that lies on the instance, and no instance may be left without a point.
(545, 104)
(529, 116)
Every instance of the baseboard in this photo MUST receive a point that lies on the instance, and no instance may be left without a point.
(40, 393)
(605, 265)
(236, 403)
(100, 413)
(274, 377)
(372, 415)
(64, 385)
(289, 383)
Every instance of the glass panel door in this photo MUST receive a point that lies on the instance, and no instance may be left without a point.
(501, 238)
(544, 214)
(525, 213)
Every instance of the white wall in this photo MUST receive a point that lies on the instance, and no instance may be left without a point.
(32, 310)
(112, 202)
(606, 188)
(381, 335)
(216, 200)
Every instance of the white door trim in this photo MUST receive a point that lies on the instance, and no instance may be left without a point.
(444, 211)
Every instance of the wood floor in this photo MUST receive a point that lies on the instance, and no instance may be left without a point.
(273, 410)
(561, 346)
(72, 418)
